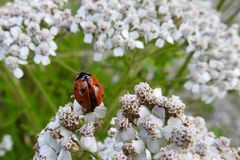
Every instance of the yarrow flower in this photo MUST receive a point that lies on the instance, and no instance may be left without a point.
(161, 131)
(124, 25)
(6, 145)
(119, 26)
(61, 137)
(30, 26)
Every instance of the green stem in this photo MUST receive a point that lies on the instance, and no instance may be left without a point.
(220, 4)
(232, 16)
(66, 66)
(41, 89)
(224, 8)
(31, 116)
(87, 53)
(123, 81)
(178, 74)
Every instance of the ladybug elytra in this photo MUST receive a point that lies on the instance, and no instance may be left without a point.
(88, 91)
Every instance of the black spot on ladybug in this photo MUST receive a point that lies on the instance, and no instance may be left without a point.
(81, 91)
(80, 102)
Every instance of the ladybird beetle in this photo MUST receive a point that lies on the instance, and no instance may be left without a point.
(88, 91)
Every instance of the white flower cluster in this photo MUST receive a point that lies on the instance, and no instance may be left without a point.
(30, 25)
(151, 126)
(120, 25)
(5, 145)
(61, 137)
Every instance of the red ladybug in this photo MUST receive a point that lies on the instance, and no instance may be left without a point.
(88, 91)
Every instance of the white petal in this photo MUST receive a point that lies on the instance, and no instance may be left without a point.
(89, 143)
(128, 134)
(74, 27)
(177, 35)
(97, 56)
(143, 111)
(8, 41)
(54, 31)
(159, 43)
(90, 117)
(7, 142)
(64, 155)
(100, 111)
(138, 146)
(65, 132)
(52, 52)
(45, 60)
(222, 94)
(2, 153)
(37, 58)
(159, 111)
(153, 145)
(134, 35)
(156, 120)
(19, 20)
(139, 44)
(18, 73)
(188, 85)
(125, 33)
(170, 40)
(32, 46)
(167, 132)
(157, 92)
(148, 155)
(24, 52)
(47, 152)
(118, 146)
(88, 37)
(15, 31)
(48, 20)
(143, 134)
(53, 125)
(206, 77)
(22, 61)
(41, 139)
(176, 122)
(195, 88)
(51, 142)
(118, 52)
(190, 48)
(77, 108)
(52, 45)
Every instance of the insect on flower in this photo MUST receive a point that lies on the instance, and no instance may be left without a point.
(88, 91)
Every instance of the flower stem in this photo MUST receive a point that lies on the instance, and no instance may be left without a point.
(178, 75)
(220, 4)
(63, 64)
(232, 16)
(41, 89)
(31, 116)
(227, 5)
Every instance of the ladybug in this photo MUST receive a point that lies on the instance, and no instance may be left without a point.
(88, 91)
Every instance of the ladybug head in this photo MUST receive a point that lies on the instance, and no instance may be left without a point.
(83, 75)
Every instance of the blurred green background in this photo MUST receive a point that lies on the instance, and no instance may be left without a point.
(28, 104)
